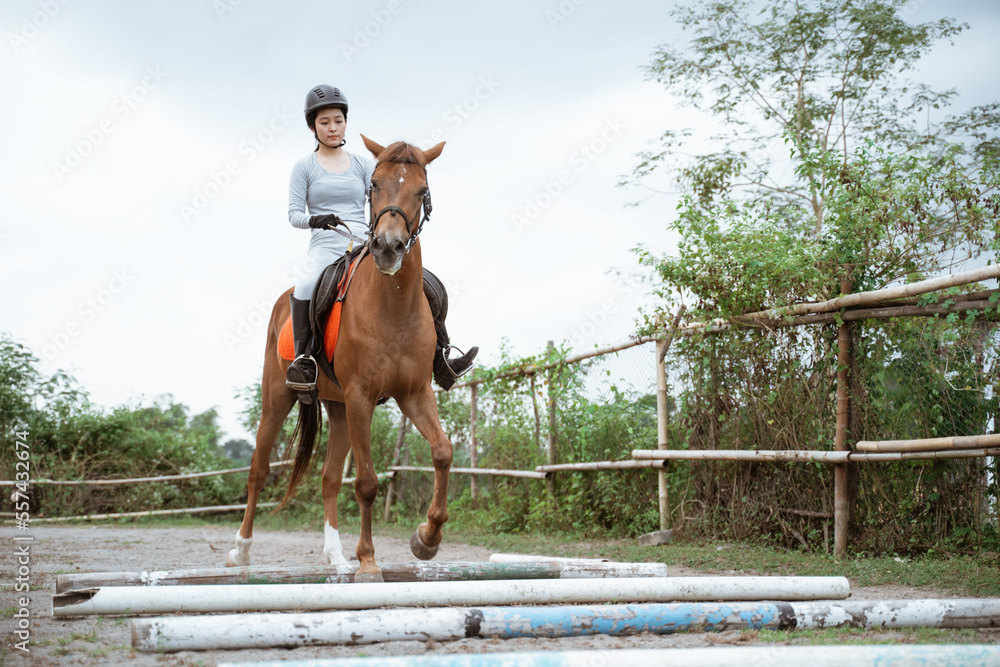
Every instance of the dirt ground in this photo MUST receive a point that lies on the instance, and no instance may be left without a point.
(107, 641)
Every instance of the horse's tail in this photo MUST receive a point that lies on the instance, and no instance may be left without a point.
(305, 435)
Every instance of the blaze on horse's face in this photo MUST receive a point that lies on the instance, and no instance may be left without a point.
(400, 181)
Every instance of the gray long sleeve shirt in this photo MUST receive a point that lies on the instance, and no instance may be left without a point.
(312, 190)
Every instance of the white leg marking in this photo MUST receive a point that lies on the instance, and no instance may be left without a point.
(240, 555)
(333, 552)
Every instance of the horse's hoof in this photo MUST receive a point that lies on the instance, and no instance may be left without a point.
(333, 558)
(419, 549)
(235, 557)
(369, 577)
(240, 555)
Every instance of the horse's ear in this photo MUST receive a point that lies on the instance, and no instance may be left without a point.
(372, 146)
(431, 153)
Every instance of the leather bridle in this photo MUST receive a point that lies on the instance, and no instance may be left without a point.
(413, 233)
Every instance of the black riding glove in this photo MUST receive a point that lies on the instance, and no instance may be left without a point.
(325, 221)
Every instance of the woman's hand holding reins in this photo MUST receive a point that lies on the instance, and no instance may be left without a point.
(325, 221)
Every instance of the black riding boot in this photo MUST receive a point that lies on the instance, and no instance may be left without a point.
(301, 375)
(446, 371)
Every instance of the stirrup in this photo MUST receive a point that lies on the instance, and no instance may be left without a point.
(303, 386)
(447, 364)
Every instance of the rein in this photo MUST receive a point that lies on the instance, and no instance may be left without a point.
(373, 220)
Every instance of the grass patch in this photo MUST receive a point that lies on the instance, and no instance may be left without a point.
(84, 636)
(852, 636)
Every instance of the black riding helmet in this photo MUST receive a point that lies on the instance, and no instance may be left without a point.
(322, 97)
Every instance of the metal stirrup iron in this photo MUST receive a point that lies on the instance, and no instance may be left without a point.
(303, 386)
(444, 356)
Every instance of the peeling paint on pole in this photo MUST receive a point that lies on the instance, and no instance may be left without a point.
(448, 624)
(334, 574)
(315, 597)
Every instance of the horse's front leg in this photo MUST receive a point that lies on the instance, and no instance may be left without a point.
(422, 411)
(359, 423)
(276, 403)
(338, 444)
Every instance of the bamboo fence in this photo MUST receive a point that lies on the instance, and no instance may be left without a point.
(897, 301)
(892, 302)
(928, 444)
(212, 509)
(135, 480)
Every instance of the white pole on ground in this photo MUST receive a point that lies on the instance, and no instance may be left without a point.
(314, 597)
(969, 655)
(344, 574)
(529, 558)
(239, 631)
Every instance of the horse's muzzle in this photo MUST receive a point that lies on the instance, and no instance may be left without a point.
(387, 251)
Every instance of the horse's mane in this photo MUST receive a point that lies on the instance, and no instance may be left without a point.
(402, 152)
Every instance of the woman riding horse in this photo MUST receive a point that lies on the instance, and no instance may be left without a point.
(389, 344)
(326, 193)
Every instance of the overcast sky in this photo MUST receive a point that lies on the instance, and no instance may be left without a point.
(147, 149)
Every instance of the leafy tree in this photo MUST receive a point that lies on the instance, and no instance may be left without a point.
(72, 439)
(874, 187)
(829, 164)
(237, 448)
(25, 395)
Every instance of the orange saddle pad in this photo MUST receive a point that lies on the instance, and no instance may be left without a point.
(286, 343)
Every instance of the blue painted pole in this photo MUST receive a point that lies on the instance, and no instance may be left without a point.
(178, 633)
(616, 620)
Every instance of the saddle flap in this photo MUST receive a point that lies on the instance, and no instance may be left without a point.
(326, 301)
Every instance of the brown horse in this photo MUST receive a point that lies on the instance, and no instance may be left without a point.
(385, 349)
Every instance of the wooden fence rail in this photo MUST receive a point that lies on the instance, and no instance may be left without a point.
(476, 471)
(894, 301)
(135, 480)
(805, 455)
